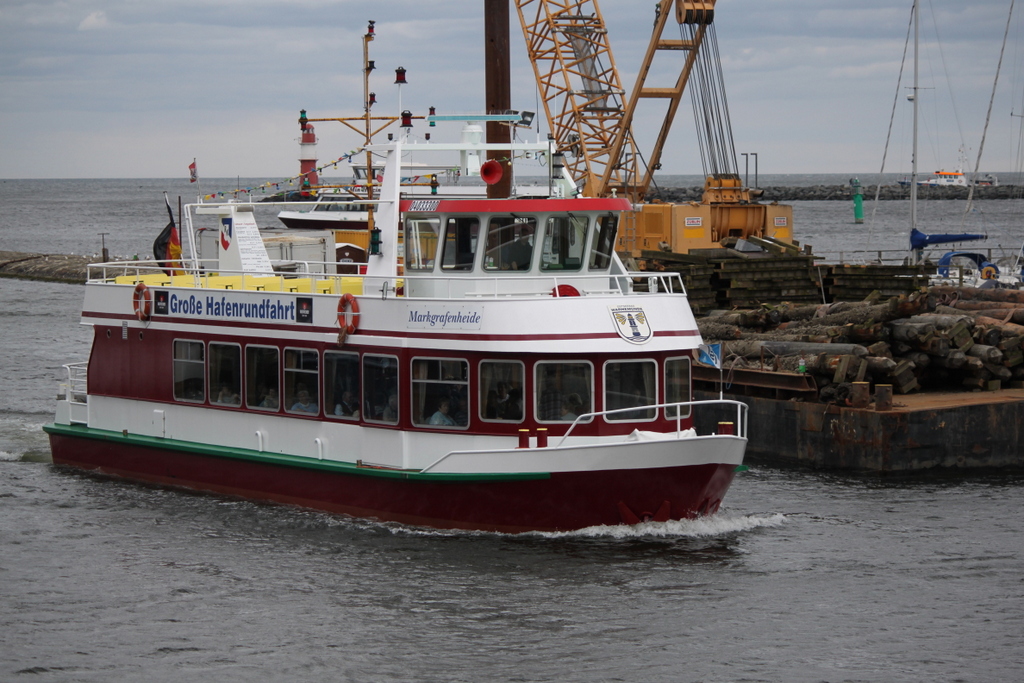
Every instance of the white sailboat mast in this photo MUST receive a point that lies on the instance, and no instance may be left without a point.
(913, 160)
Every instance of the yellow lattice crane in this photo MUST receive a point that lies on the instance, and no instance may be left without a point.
(591, 119)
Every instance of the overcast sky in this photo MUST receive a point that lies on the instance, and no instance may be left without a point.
(132, 88)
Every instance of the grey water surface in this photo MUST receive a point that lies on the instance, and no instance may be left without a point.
(803, 576)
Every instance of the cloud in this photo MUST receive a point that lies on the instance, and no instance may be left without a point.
(96, 20)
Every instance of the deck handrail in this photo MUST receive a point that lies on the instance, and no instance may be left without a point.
(661, 283)
(740, 422)
(741, 413)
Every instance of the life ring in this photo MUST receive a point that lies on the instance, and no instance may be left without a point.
(142, 302)
(348, 304)
(564, 290)
(989, 273)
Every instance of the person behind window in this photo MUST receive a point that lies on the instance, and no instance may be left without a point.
(440, 417)
(348, 406)
(390, 413)
(520, 252)
(571, 405)
(304, 403)
(270, 400)
(227, 396)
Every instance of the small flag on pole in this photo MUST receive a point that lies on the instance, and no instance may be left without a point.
(710, 354)
(193, 174)
(167, 246)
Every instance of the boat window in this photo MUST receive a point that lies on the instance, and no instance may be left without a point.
(604, 242)
(630, 384)
(440, 392)
(501, 390)
(510, 242)
(460, 238)
(301, 381)
(421, 243)
(677, 385)
(341, 385)
(565, 243)
(563, 390)
(189, 371)
(380, 389)
(262, 373)
(226, 374)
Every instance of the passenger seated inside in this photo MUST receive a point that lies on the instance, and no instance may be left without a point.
(519, 253)
(227, 396)
(570, 407)
(304, 403)
(390, 413)
(440, 418)
(270, 400)
(348, 406)
(501, 405)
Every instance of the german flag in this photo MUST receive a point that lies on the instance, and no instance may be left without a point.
(167, 246)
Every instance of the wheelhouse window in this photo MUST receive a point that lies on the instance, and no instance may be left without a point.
(301, 381)
(677, 386)
(564, 391)
(380, 389)
(262, 377)
(565, 243)
(226, 374)
(189, 371)
(421, 243)
(460, 239)
(604, 242)
(341, 385)
(440, 392)
(630, 384)
(510, 241)
(501, 391)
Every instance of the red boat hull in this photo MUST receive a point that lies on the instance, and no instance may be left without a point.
(555, 502)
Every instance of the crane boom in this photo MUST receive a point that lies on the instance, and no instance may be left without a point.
(567, 43)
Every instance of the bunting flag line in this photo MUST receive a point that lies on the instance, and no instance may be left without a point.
(298, 180)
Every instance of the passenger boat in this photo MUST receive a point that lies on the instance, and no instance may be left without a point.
(492, 366)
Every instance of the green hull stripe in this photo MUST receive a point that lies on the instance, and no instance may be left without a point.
(83, 432)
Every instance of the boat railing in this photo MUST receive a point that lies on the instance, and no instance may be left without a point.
(737, 427)
(739, 423)
(76, 389)
(317, 277)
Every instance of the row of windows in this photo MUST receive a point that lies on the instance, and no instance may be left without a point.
(509, 243)
(366, 387)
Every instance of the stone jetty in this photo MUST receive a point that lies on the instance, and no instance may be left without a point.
(53, 267)
(845, 193)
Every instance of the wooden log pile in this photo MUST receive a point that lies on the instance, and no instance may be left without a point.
(940, 338)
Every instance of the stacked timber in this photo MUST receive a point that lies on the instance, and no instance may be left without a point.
(848, 282)
(941, 338)
(695, 271)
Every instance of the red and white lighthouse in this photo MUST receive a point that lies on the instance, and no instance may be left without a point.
(307, 153)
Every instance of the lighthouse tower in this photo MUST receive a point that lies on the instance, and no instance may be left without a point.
(307, 154)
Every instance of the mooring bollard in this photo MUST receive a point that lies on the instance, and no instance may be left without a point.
(861, 395)
(883, 397)
(542, 437)
(726, 428)
(524, 438)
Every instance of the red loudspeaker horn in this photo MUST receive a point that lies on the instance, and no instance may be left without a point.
(491, 172)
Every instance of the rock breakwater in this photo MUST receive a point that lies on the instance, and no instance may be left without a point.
(54, 267)
(678, 195)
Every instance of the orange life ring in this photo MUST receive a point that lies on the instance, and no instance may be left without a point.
(142, 302)
(347, 305)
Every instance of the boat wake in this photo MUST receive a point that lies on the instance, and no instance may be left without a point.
(721, 524)
(704, 527)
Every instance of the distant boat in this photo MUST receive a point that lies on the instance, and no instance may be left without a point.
(955, 178)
